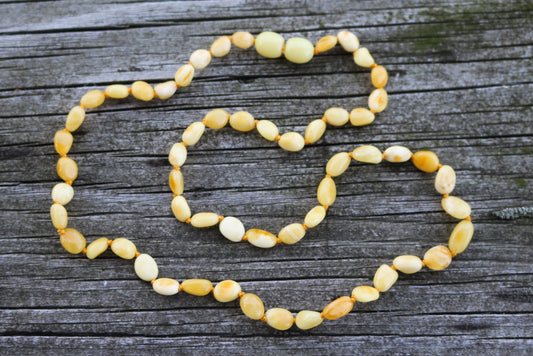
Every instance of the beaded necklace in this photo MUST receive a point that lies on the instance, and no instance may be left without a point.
(296, 50)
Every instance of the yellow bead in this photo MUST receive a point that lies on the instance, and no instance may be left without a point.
(308, 319)
(361, 117)
(117, 91)
(200, 58)
(204, 219)
(338, 164)
(216, 119)
(193, 133)
(327, 191)
(180, 208)
(385, 278)
(279, 318)
(315, 216)
(175, 180)
(365, 294)
(75, 118)
(336, 116)
(269, 44)
(67, 169)
(252, 306)
(166, 286)
(123, 248)
(62, 193)
(97, 247)
(314, 131)
(198, 287)
(445, 180)
(72, 241)
(267, 129)
(426, 161)
(93, 99)
(184, 75)
(461, 236)
(177, 154)
(367, 154)
(243, 40)
(362, 57)
(407, 264)
(291, 141)
(242, 121)
(338, 308)
(299, 50)
(221, 47)
(348, 41)
(142, 91)
(231, 228)
(165, 90)
(226, 291)
(396, 154)
(261, 238)
(63, 142)
(438, 258)
(325, 44)
(379, 76)
(292, 233)
(59, 216)
(146, 267)
(378, 100)
(456, 207)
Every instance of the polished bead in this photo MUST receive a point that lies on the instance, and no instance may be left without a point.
(123, 248)
(193, 133)
(252, 306)
(365, 294)
(336, 116)
(204, 219)
(59, 216)
(75, 118)
(242, 121)
(200, 58)
(338, 164)
(314, 131)
(177, 154)
(117, 91)
(243, 40)
(348, 41)
(384, 278)
(146, 267)
(299, 50)
(142, 91)
(62, 193)
(93, 99)
(456, 207)
(361, 117)
(165, 90)
(362, 57)
(97, 247)
(397, 154)
(184, 75)
(198, 287)
(261, 238)
(315, 216)
(291, 141)
(67, 169)
(461, 236)
(63, 142)
(269, 44)
(407, 264)
(325, 44)
(231, 228)
(426, 161)
(445, 180)
(379, 76)
(292, 233)
(378, 99)
(221, 47)
(226, 291)
(175, 180)
(338, 308)
(279, 318)
(327, 191)
(308, 319)
(180, 208)
(216, 119)
(166, 286)
(267, 129)
(367, 154)
(438, 258)
(72, 240)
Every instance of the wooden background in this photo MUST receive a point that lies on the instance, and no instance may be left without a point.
(461, 85)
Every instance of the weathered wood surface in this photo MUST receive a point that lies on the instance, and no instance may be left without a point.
(461, 84)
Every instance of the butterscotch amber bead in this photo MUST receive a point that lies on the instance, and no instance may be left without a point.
(338, 308)
(261, 238)
(338, 164)
(242, 121)
(199, 287)
(123, 248)
(146, 267)
(221, 47)
(367, 154)
(456, 207)
(62, 193)
(267, 129)
(315, 216)
(97, 247)
(348, 41)
(184, 75)
(200, 58)
(166, 286)
(426, 161)
(378, 100)
(438, 258)
(327, 191)
(314, 131)
(142, 91)
(291, 141)
(117, 91)
(325, 44)
(363, 58)
(361, 117)
(75, 118)
(180, 208)
(307, 319)
(204, 219)
(279, 318)
(216, 119)
(166, 90)
(193, 133)
(226, 291)
(175, 180)
(336, 116)
(292, 233)
(63, 142)
(67, 169)
(252, 306)
(379, 76)
(93, 99)
(72, 241)
(59, 216)
(299, 50)
(445, 180)
(243, 40)
(461, 236)
(177, 154)
(269, 44)
(407, 264)
(385, 278)
(365, 294)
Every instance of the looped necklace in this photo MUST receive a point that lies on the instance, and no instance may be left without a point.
(296, 50)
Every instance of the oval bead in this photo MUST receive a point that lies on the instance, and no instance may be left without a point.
(367, 154)
(438, 258)
(63, 142)
(461, 236)
(292, 233)
(198, 287)
(59, 216)
(379, 76)
(456, 207)
(314, 131)
(67, 169)
(338, 308)
(365, 294)
(336, 116)
(327, 191)
(361, 117)
(221, 47)
(291, 141)
(142, 91)
(180, 208)
(267, 129)
(200, 58)
(243, 40)
(166, 286)
(261, 238)
(315, 216)
(338, 164)
(426, 161)
(177, 154)
(123, 248)
(216, 119)
(146, 267)
(165, 90)
(269, 44)
(226, 291)
(385, 278)
(407, 264)
(193, 133)
(93, 99)
(231, 228)
(252, 306)
(325, 44)
(184, 75)
(348, 41)
(75, 118)
(242, 121)
(279, 318)
(62, 193)
(117, 91)
(299, 50)
(362, 57)
(72, 241)
(445, 180)
(204, 219)
(308, 319)
(175, 180)
(378, 100)
(397, 154)
(97, 247)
